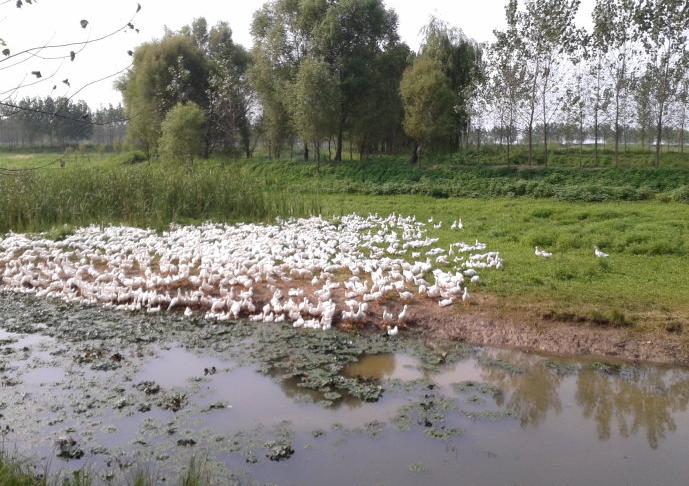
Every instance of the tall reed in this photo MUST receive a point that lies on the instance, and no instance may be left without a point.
(146, 195)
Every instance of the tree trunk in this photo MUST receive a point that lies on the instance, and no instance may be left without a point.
(530, 143)
(595, 136)
(581, 143)
(306, 152)
(545, 122)
(338, 152)
(659, 135)
(478, 145)
(415, 154)
(617, 129)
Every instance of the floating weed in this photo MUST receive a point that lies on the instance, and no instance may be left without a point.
(477, 387)
(375, 428)
(443, 433)
(429, 411)
(606, 368)
(417, 468)
(490, 362)
(489, 415)
(561, 368)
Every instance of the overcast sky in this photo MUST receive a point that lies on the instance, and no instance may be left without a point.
(57, 21)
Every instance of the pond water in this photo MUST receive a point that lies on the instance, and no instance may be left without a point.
(487, 417)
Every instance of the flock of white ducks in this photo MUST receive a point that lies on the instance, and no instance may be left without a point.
(310, 273)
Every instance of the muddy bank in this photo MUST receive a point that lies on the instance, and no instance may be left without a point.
(488, 323)
(86, 388)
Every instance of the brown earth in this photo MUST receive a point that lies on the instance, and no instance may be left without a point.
(489, 322)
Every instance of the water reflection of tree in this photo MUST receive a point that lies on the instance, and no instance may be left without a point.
(531, 389)
(292, 390)
(646, 398)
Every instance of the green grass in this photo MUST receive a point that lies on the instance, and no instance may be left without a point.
(445, 179)
(648, 243)
(149, 195)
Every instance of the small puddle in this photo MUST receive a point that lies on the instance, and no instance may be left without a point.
(43, 376)
(176, 366)
(388, 366)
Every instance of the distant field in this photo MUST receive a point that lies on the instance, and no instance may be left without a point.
(643, 284)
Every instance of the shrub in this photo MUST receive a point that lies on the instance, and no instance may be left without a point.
(183, 133)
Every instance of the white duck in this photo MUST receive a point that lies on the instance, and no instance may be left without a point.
(542, 253)
(598, 253)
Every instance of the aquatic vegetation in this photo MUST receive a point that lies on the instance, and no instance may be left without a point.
(477, 387)
(489, 415)
(428, 412)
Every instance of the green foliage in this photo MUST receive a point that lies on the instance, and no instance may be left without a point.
(315, 102)
(148, 195)
(461, 60)
(428, 101)
(182, 133)
(164, 73)
(353, 37)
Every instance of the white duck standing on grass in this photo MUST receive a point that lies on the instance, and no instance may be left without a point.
(598, 253)
(392, 332)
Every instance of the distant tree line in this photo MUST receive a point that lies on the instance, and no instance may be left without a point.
(331, 79)
(624, 81)
(60, 122)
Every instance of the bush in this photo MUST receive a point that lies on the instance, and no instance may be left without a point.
(183, 133)
(135, 157)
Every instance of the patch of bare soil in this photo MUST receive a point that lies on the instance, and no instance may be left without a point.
(489, 322)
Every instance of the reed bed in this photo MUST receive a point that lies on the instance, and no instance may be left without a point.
(150, 195)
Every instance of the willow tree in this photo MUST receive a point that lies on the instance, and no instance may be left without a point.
(230, 95)
(282, 34)
(350, 36)
(164, 73)
(315, 103)
(353, 37)
(461, 60)
(428, 103)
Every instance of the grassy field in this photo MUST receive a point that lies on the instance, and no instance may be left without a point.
(643, 283)
(444, 180)
(642, 221)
